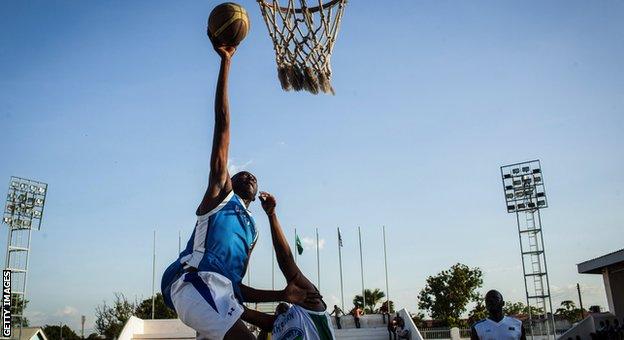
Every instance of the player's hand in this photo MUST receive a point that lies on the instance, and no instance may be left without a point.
(225, 52)
(297, 295)
(268, 202)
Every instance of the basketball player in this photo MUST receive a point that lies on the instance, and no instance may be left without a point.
(497, 326)
(307, 319)
(204, 284)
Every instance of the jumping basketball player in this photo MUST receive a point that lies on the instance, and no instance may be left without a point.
(497, 326)
(204, 284)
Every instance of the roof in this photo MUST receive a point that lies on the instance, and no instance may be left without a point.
(27, 332)
(596, 265)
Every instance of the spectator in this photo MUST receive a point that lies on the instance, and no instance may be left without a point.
(385, 311)
(401, 332)
(391, 329)
(336, 313)
(357, 312)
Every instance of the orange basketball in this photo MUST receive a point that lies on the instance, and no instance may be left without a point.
(228, 24)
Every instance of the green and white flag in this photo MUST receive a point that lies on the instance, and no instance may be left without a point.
(298, 245)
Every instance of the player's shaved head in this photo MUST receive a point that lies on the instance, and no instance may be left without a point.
(494, 302)
(245, 185)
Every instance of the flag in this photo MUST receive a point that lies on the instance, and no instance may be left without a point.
(298, 245)
(339, 238)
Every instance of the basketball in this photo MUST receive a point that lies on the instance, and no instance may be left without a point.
(228, 24)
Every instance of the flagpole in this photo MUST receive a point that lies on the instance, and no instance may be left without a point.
(179, 241)
(386, 266)
(318, 262)
(153, 275)
(340, 262)
(362, 269)
(295, 247)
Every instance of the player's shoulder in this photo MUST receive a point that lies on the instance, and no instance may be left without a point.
(513, 321)
(479, 323)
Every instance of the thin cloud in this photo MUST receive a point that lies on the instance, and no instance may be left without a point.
(310, 243)
(234, 167)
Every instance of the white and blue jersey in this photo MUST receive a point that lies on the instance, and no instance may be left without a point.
(221, 243)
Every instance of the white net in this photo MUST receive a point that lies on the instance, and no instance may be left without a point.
(303, 38)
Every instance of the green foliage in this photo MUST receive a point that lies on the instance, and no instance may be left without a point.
(479, 312)
(18, 305)
(447, 294)
(161, 311)
(517, 308)
(569, 311)
(111, 319)
(373, 297)
(53, 332)
(419, 319)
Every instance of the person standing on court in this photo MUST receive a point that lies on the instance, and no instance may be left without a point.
(497, 326)
(336, 313)
(357, 312)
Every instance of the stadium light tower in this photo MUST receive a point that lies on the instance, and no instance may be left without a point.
(525, 195)
(22, 213)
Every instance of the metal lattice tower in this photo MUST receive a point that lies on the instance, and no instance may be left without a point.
(525, 195)
(22, 213)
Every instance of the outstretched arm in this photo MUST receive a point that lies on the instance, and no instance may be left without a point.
(285, 258)
(219, 183)
(291, 293)
(262, 320)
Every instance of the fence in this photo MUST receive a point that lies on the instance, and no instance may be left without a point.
(442, 333)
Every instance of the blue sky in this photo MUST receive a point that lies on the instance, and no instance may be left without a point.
(111, 104)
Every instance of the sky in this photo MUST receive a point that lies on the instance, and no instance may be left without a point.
(110, 103)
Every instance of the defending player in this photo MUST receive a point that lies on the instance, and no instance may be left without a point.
(497, 326)
(308, 319)
(204, 284)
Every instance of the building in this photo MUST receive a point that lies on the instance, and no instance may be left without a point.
(28, 333)
(611, 267)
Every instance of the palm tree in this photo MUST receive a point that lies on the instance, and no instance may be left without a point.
(373, 297)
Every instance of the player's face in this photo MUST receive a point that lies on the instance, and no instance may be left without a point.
(245, 185)
(494, 302)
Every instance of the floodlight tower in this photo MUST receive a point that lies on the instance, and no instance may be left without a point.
(22, 213)
(525, 195)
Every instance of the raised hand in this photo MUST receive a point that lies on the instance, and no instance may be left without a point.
(297, 295)
(268, 202)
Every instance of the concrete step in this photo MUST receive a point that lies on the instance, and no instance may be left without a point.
(376, 333)
(163, 336)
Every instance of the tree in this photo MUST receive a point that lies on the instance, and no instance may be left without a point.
(373, 297)
(446, 295)
(479, 312)
(514, 308)
(161, 310)
(53, 332)
(111, 319)
(18, 305)
(569, 311)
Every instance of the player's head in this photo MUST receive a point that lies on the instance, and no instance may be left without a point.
(494, 302)
(281, 308)
(245, 185)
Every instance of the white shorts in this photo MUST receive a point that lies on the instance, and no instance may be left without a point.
(205, 302)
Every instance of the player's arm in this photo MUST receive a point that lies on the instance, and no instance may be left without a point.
(219, 183)
(291, 293)
(284, 256)
(473, 334)
(262, 320)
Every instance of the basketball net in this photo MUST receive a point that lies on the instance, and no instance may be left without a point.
(303, 39)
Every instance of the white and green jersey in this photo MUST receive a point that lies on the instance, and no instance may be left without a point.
(302, 324)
